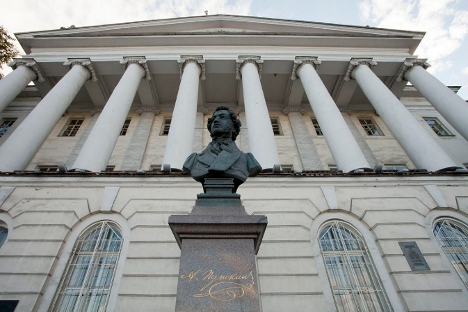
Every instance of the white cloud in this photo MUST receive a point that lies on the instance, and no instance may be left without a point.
(445, 24)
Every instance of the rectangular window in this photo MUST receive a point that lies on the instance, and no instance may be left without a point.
(72, 127)
(125, 126)
(316, 126)
(275, 124)
(6, 124)
(370, 127)
(48, 168)
(166, 126)
(437, 126)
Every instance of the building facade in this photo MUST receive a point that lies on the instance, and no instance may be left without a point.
(364, 180)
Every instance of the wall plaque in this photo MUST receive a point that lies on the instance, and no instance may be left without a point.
(414, 256)
(8, 305)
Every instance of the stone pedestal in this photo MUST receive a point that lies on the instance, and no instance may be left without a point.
(219, 241)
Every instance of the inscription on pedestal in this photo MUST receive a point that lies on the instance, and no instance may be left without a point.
(217, 275)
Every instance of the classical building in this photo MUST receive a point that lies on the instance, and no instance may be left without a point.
(363, 153)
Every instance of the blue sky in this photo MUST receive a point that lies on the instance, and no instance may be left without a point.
(444, 21)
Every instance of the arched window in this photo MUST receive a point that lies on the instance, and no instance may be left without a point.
(453, 238)
(3, 233)
(353, 278)
(87, 280)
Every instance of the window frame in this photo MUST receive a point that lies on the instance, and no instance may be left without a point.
(463, 277)
(276, 126)
(315, 123)
(357, 289)
(372, 126)
(438, 124)
(3, 233)
(166, 126)
(90, 272)
(73, 128)
(3, 131)
(125, 126)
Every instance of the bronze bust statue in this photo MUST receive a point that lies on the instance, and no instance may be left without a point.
(222, 158)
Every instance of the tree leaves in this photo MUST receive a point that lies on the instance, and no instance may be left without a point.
(7, 47)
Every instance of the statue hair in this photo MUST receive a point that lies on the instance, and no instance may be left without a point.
(236, 122)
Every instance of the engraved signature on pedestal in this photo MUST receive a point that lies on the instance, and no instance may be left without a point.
(222, 287)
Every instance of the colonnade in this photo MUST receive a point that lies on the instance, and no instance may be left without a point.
(18, 150)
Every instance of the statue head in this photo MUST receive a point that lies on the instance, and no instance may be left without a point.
(224, 123)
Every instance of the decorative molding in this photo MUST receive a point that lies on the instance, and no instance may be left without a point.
(154, 111)
(289, 109)
(197, 59)
(407, 64)
(203, 110)
(244, 59)
(301, 60)
(355, 62)
(28, 62)
(95, 111)
(140, 60)
(346, 111)
(86, 63)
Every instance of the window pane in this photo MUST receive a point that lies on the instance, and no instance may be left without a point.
(125, 126)
(453, 238)
(89, 275)
(437, 127)
(166, 126)
(316, 126)
(351, 272)
(3, 235)
(275, 124)
(6, 124)
(71, 127)
(370, 127)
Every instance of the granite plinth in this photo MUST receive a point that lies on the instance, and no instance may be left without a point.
(219, 241)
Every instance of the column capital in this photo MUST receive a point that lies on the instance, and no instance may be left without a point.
(140, 60)
(407, 64)
(28, 62)
(301, 60)
(154, 111)
(355, 62)
(86, 63)
(290, 109)
(197, 59)
(203, 110)
(244, 59)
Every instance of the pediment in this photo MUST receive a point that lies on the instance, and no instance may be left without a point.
(221, 24)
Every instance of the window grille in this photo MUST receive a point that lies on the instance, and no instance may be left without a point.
(437, 127)
(370, 127)
(275, 124)
(3, 235)
(6, 124)
(71, 128)
(87, 281)
(166, 126)
(355, 284)
(316, 126)
(125, 126)
(453, 238)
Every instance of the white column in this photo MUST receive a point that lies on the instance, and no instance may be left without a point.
(344, 148)
(423, 151)
(447, 102)
(98, 148)
(23, 143)
(179, 143)
(261, 138)
(25, 71)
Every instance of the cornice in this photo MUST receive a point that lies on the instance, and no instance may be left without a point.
(140, 60)
(95, 111)
(28, 62)
(355, 62)
(197, 59)
(86, 63)
(242, 60)
(301, 60)
(407, 64)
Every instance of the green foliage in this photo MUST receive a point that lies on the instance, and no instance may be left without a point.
(7, 47)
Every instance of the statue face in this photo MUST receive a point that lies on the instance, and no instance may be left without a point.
(222, 124)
